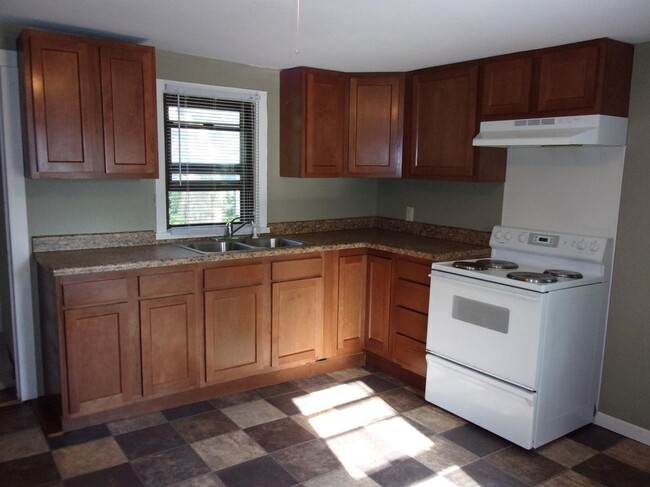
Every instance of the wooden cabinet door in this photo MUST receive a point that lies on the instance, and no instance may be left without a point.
(378, 305)
(568, 78)
(100, 357)
(168, 340)
(129, 109)
(325, 124)
(297, 321)
(376, 126)
(351, 317)
(443, 124)
(236, 329)
(62, 107)
(507, 88)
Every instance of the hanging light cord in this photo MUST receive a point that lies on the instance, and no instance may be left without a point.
(297, 50)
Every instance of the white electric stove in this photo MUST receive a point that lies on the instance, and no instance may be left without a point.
(514, 342)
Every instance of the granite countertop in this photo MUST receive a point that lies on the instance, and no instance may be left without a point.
(85, 261)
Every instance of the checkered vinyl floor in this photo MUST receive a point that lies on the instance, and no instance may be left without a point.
(351, 427)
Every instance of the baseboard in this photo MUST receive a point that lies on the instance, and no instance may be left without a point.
(621, 427)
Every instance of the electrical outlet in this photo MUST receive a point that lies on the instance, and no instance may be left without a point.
(409, 213)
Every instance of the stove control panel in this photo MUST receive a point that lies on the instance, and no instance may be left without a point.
(555, 244)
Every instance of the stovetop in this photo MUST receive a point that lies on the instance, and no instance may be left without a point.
(581, 260)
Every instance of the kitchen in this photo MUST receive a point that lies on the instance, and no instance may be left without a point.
(94, 206)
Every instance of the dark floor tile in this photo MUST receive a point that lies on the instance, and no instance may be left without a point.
(595, 437)
(17, 417)
(484, 474)
(402, 473)
(202, 426)
(375, 383)
(80, 436)
(307, 460)
(475, 439)
(279, 434)
(189, 410)
(119, 476)
(29, 471)
(261, 472)
(612, 473)
(285, 402)
(315, 381)
(402, 400)
(170, 466)
(149, 440)
(528, 466)
(277, 389)
(8, 395)
(235, 399)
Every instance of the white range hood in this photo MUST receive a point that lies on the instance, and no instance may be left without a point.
(576, 130)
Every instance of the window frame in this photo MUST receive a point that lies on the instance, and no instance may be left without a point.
(202, 90)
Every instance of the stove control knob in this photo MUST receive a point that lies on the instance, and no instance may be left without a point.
(594, 246)
(498, 234)
(581, 245)
(522, 237)
(508, 236)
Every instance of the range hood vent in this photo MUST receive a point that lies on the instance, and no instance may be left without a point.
(534, 132)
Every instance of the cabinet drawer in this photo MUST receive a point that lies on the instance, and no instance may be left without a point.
(410, 323)
(411, 295)
(297, 269)
(168, 284)
(412, 271)
(95, 292)
(235, 276)
(410, 354)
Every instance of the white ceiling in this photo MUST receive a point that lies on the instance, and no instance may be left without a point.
(347, 35)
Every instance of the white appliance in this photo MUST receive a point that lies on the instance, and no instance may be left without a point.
(575, 130)
(514, 343)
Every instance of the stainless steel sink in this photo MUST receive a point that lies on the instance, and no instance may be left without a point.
(215, 246)
(272, 242)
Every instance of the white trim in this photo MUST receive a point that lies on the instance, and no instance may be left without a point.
(19, 246)
(170, 86)
(623, 428)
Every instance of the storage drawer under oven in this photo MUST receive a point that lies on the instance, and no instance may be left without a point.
(489, 327)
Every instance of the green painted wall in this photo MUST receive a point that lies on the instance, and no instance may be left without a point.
(467, 205)
(625, 389)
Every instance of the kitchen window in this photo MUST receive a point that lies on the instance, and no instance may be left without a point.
(212, 150)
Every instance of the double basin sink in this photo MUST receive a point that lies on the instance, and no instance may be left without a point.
(230, 245)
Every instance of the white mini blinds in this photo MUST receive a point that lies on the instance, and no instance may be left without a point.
(211, 159)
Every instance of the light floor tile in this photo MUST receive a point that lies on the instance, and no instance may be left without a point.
(434, 419)
(88, 457)
(228, 449)
(444, 456)
(566, 452)
(342, 478)
(348, 374)
(570, 478)
(253, 413)
(22, 444)
(631, 452)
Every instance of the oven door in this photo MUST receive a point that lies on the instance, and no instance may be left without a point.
(489, 327)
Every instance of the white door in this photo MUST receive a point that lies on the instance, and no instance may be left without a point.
(492, 328)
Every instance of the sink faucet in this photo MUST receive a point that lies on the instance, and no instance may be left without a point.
(229, 231)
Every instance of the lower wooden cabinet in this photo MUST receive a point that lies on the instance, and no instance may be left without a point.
(351, 309)
(378, 307)
(168, 335)
(100, 357)
(236, 325)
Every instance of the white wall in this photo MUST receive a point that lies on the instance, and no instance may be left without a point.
(564, 189)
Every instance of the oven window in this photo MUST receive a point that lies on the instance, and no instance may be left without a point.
(481, 314)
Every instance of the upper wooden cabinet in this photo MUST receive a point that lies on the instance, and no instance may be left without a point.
(89, 107)
(576, 79)
(443, 122)
(312, 122)
(375, 125)
(333, 124)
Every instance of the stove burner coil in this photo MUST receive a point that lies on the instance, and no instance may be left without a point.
(563, 273)
(470, 266)
(498, 264)
(532, 277)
